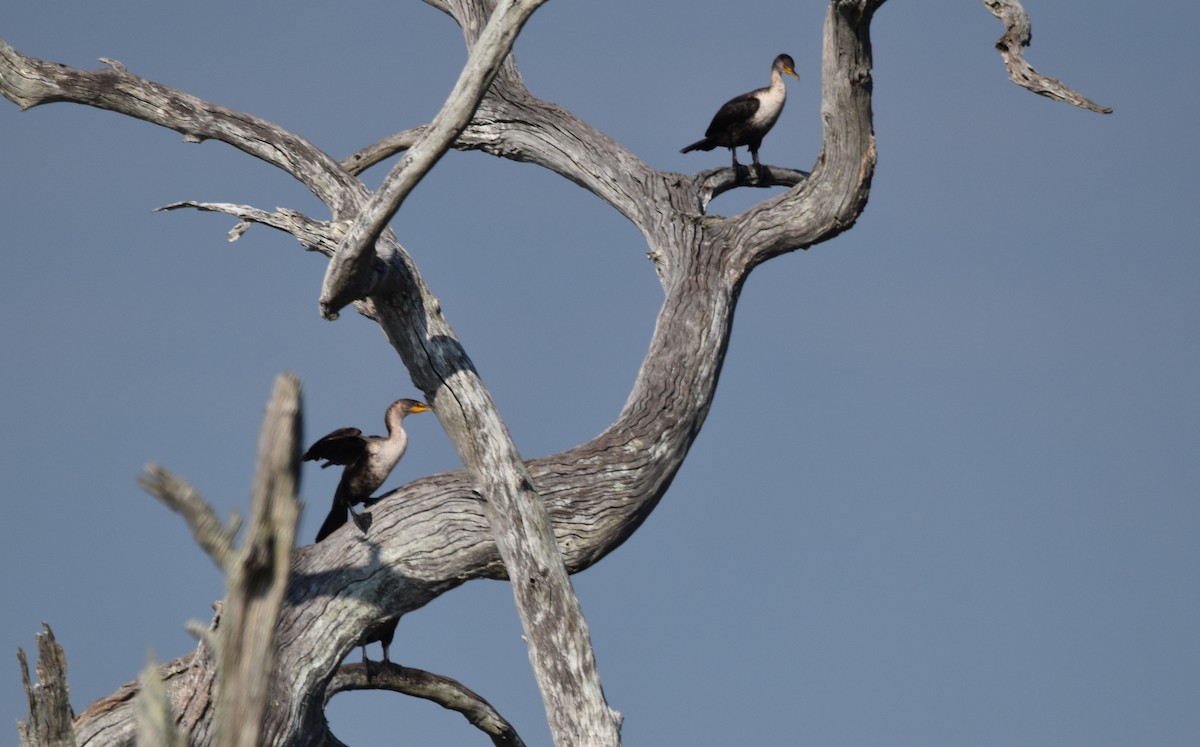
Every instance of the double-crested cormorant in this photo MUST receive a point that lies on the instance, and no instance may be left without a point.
(368, 461)
(746, 119)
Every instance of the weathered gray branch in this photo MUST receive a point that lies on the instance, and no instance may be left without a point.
(447, 693)
(315, 235)
(347, 278)
(213, 535)
(50, 716)
(257, 575)
(549, 610)
(1018, 33)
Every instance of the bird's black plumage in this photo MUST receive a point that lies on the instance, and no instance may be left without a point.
(368, 460)
(746, 119)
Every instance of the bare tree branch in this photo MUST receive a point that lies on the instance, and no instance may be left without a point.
(50, 716)
(314, 235)
(549, 610)
(347, 278)
(29, 82)
(1018, 32)
(213, 536)
(447, 693)
(365, 158)
(258, 575)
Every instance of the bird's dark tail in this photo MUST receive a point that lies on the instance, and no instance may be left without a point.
(699, 145)
(336, 517)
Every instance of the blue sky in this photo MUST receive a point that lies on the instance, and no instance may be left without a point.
(947, 493)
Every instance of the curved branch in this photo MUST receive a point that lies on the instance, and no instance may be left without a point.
(212, 534)
(30, 82)
(398, 142)
(1018, 32)
(314, 235)
(714, 182)
(448, 693)
(347, 278)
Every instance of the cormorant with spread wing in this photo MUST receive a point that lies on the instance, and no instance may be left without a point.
(745, 120)
(368, 460)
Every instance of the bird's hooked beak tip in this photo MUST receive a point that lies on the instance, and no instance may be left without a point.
(791, 72)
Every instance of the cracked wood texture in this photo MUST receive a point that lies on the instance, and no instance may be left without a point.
(436, 533)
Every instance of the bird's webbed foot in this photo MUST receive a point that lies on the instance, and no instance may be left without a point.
(362, 521)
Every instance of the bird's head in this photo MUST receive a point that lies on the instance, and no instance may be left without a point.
(404, 407)
(785, 64)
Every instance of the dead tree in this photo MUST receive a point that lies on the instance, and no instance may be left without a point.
(531, 521)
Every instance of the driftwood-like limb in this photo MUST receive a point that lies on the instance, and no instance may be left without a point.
(446, 692)
(347, 278)
(29, 82)
(256, 579)
(212, 534)
(1018, 32)
(50, 716)
(314, 235)
(364, 158)
(258, 575)
(715, 182)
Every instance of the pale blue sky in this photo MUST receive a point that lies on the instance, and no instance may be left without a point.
(947, 493)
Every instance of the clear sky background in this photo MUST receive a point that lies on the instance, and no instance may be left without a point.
(948, 491)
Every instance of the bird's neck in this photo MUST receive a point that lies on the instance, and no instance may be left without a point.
(390, 449)
(395, 425)
(777, 85)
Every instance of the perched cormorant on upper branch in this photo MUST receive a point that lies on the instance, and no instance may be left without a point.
(745, 120)
(368, 461)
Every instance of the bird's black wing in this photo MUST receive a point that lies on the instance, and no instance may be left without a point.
(342, 447)
(733, 113)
